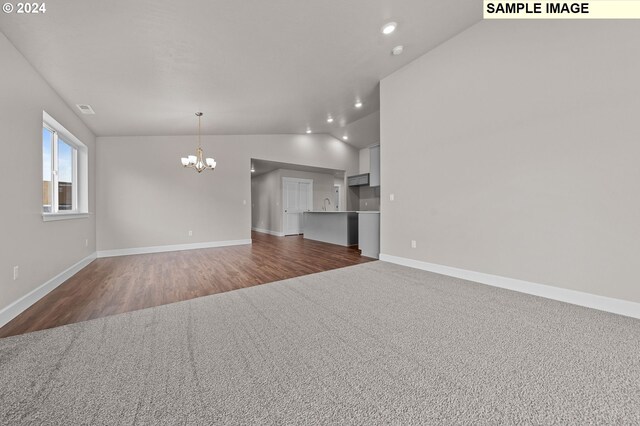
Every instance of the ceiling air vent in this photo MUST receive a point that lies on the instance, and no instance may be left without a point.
(85, 109)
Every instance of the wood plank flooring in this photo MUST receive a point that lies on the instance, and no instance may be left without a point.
(115, 285)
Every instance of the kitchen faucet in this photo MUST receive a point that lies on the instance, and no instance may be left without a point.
(324, 205)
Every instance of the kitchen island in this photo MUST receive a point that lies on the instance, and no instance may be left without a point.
(335, 227)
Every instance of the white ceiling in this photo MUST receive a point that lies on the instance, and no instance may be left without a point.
(252, 66)
(362, 132)
(264, 166)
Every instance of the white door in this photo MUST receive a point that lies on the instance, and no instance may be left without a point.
(305, 197)
(297, 198)
(290, 204)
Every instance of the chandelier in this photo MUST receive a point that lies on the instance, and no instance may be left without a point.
(196, 161)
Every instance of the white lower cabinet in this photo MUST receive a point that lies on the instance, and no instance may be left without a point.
(369, 233)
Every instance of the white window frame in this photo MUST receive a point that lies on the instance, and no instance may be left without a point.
(79, 195)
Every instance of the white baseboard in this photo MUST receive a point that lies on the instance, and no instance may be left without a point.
(14, 309)
(266, 231)
(602, 303)
(173, 247)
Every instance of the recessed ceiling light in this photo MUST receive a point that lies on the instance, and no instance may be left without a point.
(308, 130)
(330, 119)
(358, 104)
(345, 138)
(397, 50)
(388, 28)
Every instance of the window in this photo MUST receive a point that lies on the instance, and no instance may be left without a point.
(64, 172)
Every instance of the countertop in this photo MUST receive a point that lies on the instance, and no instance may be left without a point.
(332, 211)
(346, 211)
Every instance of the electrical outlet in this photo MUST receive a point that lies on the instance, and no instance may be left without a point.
(392, 197)
(244, 202)
(190, 233)
(86, 242)
(413, 244)
(15, 273)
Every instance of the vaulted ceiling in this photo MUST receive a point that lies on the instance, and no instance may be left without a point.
(252, 66)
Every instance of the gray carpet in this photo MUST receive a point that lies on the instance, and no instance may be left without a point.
(369, 344)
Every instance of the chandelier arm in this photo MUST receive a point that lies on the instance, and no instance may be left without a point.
(200, 163)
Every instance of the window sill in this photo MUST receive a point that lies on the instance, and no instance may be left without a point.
(47, 217)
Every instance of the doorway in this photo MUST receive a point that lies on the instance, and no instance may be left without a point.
(297, 198)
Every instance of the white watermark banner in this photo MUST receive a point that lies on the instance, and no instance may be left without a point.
(588, 9)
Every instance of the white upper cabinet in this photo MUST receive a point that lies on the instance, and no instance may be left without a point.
(374, 166)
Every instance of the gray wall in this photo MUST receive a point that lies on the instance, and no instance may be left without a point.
(42, 250)
(513, 150)
(146, 198)
(266, 196)
(369, 198)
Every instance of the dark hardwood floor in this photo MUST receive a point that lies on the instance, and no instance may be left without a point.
(115, 285)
